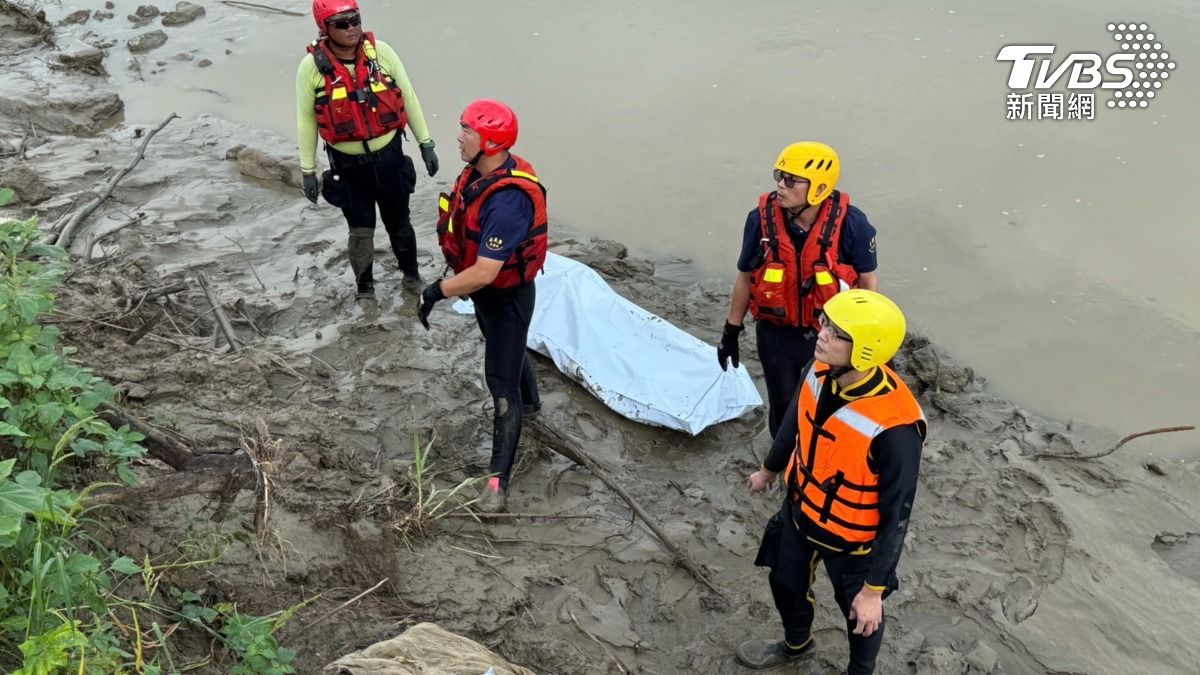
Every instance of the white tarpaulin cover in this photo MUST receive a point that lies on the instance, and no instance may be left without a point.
(639, 364)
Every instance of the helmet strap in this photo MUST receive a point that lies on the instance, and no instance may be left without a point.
(478, 156)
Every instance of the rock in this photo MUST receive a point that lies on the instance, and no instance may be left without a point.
(183, 56)
(982, 658)
(101, 16)
(1155, 468)
(269, 166)
(77, 114)
(185, 13)
(938, 371)
(147, 41)
(203, 63)
(109, 5)
(76, 17)
(83, 57)
(28, 185)
(146, 11)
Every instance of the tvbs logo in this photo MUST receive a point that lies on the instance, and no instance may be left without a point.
(1133, 74)
(1084, 70)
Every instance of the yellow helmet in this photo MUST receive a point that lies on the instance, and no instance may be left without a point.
(874, 323)
(815, 162)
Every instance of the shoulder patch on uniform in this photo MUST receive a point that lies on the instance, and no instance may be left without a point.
(871, 245)
(494, 243)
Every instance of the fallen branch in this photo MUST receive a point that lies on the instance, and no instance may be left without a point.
(161, 446)
(146, 327)
(165, 290)
(92, 241)
(68, 231)
(572, 451)
(152, 336)
(221, 317)
(1123, 441)
(340, 607)
(255, 5)
(500, 516)
(231, 474)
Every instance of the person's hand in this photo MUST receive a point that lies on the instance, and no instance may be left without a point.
(430, 157)
(429, 297)
(867, 609)
(728, 349)
(761, 480)
(311, 187)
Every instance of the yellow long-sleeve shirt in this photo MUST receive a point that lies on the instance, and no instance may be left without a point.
(309, 79)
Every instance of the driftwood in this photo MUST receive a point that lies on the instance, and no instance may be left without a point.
(1106, 453)
(222, 319)
(572, 451)
(220, 475)
(68, 232)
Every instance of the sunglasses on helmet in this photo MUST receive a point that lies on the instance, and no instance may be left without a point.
(345, 23)
(789, 181)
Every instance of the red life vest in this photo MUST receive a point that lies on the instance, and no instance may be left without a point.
(357, 107)
(458, 225)
(790, 289)
(828, 475)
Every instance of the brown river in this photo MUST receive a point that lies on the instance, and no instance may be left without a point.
(1056, 257)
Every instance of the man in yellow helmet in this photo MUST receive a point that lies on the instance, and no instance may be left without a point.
(850, 449)
(353, 91)
(801, 245)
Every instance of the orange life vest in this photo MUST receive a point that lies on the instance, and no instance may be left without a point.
(790, 289)
(458, 226)
(828, 474)
(357, 107)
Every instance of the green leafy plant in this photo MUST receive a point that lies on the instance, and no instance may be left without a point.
(252, 639)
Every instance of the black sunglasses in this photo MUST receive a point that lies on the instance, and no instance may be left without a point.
(789, 181)
(346, 23)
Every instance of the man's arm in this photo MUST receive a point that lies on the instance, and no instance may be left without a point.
(306, 116)
(392, 65)
(896, 454)
(739, 300)
(869, 281)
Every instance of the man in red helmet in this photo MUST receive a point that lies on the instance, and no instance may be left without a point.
(352, 90)
(492, 231)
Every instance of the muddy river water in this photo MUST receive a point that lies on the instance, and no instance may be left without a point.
(1056, 257)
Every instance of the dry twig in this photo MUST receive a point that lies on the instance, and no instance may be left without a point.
(340, 607)
(221, 317)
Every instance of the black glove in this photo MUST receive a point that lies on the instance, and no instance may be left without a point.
(728, 349)
(430, 157)
(311, 187)
(429, 296)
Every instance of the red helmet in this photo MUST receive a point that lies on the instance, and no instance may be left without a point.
(323, 9)
(495, 123)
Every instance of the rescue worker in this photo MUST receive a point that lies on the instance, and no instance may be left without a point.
(849, 449)
(803, 244)
(353, 90)
(492, 230)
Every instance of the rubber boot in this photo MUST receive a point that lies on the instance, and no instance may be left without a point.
(769, 654)
(361, 248)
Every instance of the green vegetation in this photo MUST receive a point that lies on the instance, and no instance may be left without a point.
(67, 603)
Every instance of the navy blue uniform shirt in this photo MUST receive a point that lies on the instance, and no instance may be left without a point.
(857, 246)
(504, 220)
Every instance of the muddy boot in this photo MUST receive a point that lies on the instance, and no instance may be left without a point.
(768, 654)
(361, 249)
(492, 498)
(530, 410)
(413, 283)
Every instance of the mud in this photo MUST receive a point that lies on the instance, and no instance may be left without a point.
(1013, 564)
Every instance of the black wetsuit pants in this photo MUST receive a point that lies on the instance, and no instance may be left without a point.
(793, 559)
(784, 352)
(504, 317)
(386, 178)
